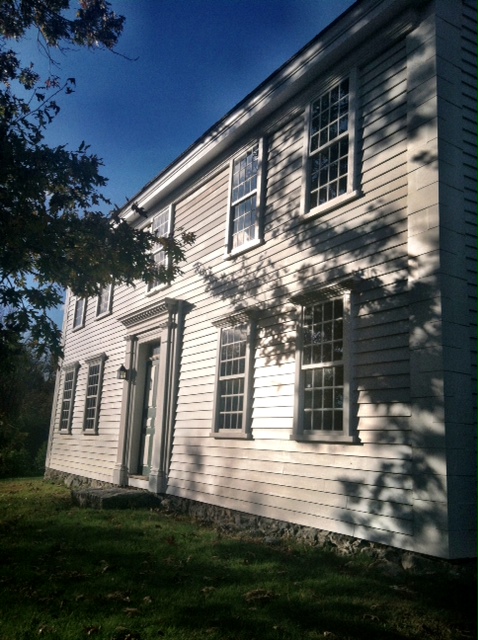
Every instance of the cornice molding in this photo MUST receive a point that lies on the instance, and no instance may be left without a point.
(238, 316)
(317, 292)
(168, 305)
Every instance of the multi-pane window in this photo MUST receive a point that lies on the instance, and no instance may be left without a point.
(161, 228)
(323, 365)
(323, 396)
(104, 300)
(79, 313)
(233, 381)
(68, 399)
(330, 145)
(93, 394)
(232, 371)
(245, 199)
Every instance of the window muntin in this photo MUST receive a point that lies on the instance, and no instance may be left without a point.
(161, 228)
(330, 145)
(68, 398)
(79, 313)
(104, 300)
(234, 379)
(323, 360)
(323, 365)
(245, 199)
(93, 394)
(232, 369)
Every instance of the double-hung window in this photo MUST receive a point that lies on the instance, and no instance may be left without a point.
(330, 148)
(79, 313)
(244, 227)
(68, 397)
(233, 383)
(323, 370)
(94, 383)
(161, 227)
(103, 306)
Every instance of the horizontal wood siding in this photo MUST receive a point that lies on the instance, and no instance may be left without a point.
(332, 486)
(92, 456)
(365, 488)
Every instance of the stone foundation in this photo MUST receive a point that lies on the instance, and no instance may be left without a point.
(273, 532)
(73, 481)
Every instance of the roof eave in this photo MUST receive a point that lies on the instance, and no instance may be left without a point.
(359, 22)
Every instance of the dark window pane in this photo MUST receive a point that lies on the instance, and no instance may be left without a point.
(327, 421)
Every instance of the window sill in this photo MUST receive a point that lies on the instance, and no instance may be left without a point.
(332, 204)
(325, 438)
(100, 316)
(231, 435)
(77, 328)
(157, 289)
(243, 249)
(90, 432)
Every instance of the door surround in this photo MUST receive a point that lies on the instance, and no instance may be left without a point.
(159, 323)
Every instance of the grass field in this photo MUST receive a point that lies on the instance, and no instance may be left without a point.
(68, 573)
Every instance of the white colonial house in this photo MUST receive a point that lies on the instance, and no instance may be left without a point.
(315, 363)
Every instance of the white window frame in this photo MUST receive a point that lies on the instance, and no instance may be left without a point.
(158, 250)
(105, 297)
(79, 313)
(351, 191)
(244, 432)
(235, 201)
(348, 432)
(97, 361)
(68, 397)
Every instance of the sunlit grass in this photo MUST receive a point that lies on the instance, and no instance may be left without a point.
(70, 573)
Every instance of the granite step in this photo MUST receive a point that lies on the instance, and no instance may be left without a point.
(115, 498)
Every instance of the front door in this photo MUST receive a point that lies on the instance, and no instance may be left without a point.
(150, 417)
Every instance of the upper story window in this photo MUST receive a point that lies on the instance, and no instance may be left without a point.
(79, 313)
(103, 306)
(330, 149)
(161, 227)
(244, 228)
(323, 371)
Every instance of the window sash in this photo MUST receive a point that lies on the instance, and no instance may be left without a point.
(329, 145)
(94, 383)
(323, 369)
(322, 365)
(233, 381)
(245, 199)
(161, 227)
(79, 313)
(232, 368)
(329, 174)
(104, 300)
(68, 398)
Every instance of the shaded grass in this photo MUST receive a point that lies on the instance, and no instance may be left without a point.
(69, 573)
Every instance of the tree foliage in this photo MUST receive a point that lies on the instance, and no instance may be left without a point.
(26, 393)
(53, 229)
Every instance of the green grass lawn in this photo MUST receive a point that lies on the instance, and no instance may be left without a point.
(68, 573)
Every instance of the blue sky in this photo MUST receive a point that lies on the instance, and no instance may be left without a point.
(191, 61)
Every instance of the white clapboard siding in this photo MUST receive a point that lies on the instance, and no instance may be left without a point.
(365, 488)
